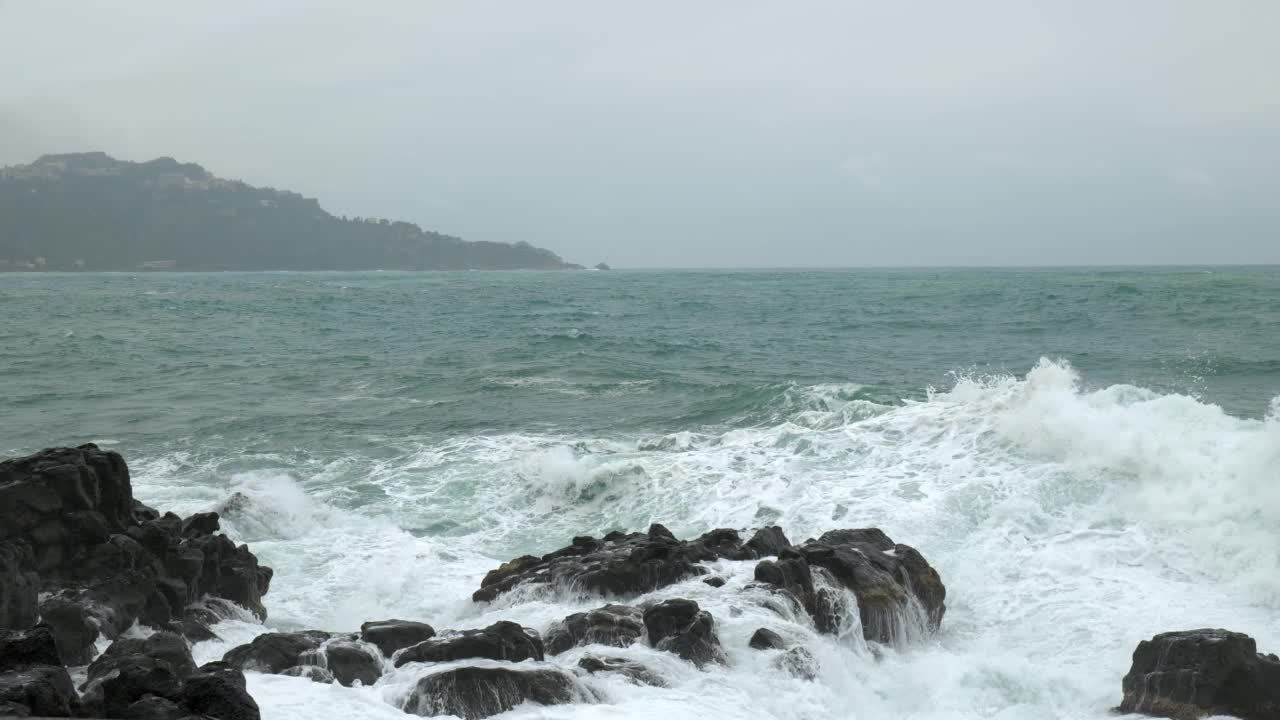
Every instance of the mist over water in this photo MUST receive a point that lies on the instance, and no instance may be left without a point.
(1087, 457)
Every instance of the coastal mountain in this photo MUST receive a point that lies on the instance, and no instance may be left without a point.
(89, 211)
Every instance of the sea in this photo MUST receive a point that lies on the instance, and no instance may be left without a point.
(1088, 456)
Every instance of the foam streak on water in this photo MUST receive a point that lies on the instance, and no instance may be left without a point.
(1067, 525)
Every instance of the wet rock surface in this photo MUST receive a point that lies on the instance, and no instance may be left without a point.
(478, 692)
(502, 640)
(1193, 673)
(613, 625)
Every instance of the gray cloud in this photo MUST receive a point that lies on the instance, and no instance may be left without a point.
(682, 134)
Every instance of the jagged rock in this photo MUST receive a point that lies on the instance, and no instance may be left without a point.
(615, 625)
(314, 673)
(43, 690)
(714, 581)
(94, 545)
(617, 564)
(890, 580)
(766, 639)
(680, 627)
(392, 635)
(799, 662)
(165, 648)
(218, 691)
(26, 648)
(273, 652)
(110, 695)
(353, 661)
(19, 585)
(205, 523)
(502, 640)
(1193, 673)
(478, 692)
(769, 541)
(73, 629)
(631, 670)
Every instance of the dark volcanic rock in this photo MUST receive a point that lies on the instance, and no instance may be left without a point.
(73, 629)
(350, 661)
(766, 639)
(768, 541)
(629, 669)
(218, 691)
(615, 625)
(19, 585)
(502, 640)
(475, 692)
(132, 680)
(392, 635)
(167, 648)
(680, 627)
(1193, 673)
(714, 581)
(89, 543)
(273, 652)
(894, 584)
(43, 690)
(617, 564)
(25, 648)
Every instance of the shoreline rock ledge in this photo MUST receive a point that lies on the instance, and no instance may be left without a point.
(1193, 673)
(81, 558)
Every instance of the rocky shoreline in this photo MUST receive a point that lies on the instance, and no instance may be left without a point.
(82, 562)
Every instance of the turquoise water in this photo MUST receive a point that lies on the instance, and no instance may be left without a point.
(1088, 456)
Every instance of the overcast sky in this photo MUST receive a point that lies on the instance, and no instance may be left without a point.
(662, 134)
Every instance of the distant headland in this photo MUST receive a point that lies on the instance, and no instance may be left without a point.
(89, 211)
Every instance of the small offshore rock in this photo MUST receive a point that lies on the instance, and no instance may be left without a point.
(392, 635)
(681, 627)
(766, 639)
(613, 625)
(503, 640)
(1192, 673)
(478, 692)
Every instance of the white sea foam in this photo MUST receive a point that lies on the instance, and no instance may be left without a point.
(1067, 524)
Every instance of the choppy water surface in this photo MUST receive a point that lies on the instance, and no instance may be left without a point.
(1088, 457)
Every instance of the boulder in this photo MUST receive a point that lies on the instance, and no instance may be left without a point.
(26, 648)
(218, 691)
(502, 640)
(19, 585)
(392, 635)
(352, 661)
(478, 692)
(613, 625)
(165, 648)
(131, 679)
(766, 639)
(714, 581)
(73, 628)
(1193, 673)
(769, 541)
(681, 627)
(273, 652)
(40, 690)
(618, 564)
(631, 670)
(895, 587)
